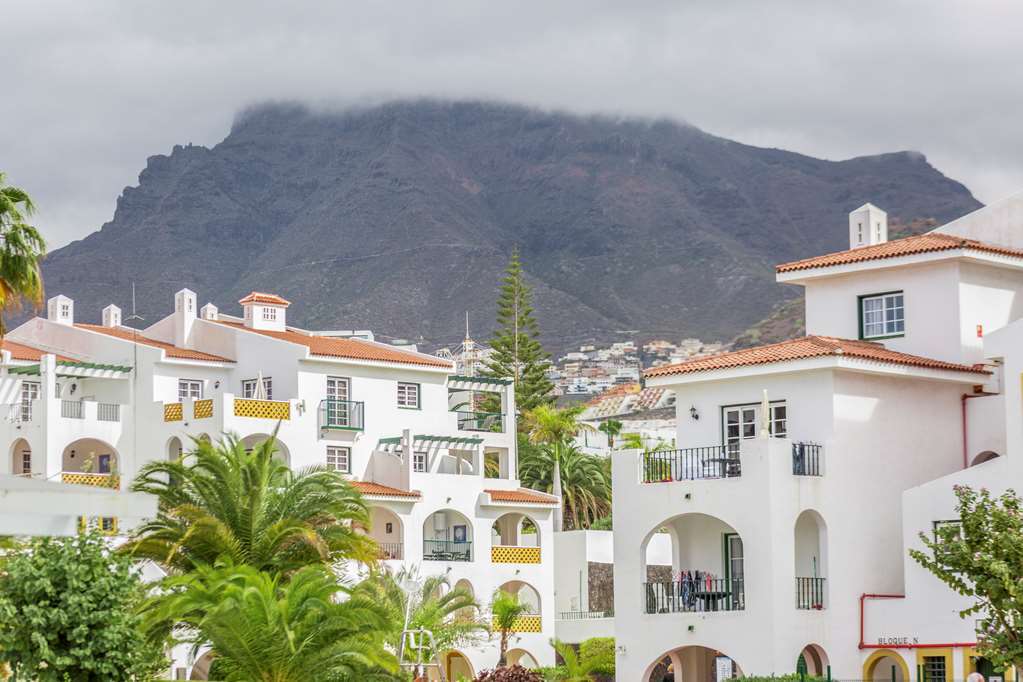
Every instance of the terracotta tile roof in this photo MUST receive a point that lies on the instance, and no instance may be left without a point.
(353, 349)
(807, 347)
(909, 246)
(20, 351)
(169, 349)
(521, 495)
(370, 488)
(260, 297)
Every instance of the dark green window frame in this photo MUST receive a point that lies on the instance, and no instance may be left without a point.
(859, 313)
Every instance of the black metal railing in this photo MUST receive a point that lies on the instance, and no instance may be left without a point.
(447, 550)
(690, 464)
(585, 615)
(810, 593)
(342, 414)
(695, 596)
(391, 550)
(481, 421)
(806, 459)
(108, 412)
(72, 409)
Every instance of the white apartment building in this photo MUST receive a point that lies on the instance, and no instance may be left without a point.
(87, 405)
(807, 468)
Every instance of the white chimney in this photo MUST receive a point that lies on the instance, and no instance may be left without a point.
(111, 316)
(61, 309)
(184, 317)
(208, 312)
(868, 225)
(265, 311)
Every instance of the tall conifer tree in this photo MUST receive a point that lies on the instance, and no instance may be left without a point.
(516, 343)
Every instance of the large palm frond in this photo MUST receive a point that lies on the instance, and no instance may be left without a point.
(22, 247)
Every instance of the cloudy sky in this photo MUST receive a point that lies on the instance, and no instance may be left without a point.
(93, 88)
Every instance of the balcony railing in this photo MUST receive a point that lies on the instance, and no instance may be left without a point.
(84, 478)
(481, 421)
(507, 554)
(695, 596)
(524, 623)
(810, 593)
(447, 550)
(20, 412)
(108, 412)
(202, 409)
(173, 412)
(806, 459)
(72, 409)
(585, 615)
(262, 409)
(691, 464)
(345, 415)
(391, 551)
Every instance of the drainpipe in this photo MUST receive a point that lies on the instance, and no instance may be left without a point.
(916, 645)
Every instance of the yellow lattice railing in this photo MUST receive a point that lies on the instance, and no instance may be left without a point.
(262, 409)
(500, 554)
(203, 409)
(98, 480)
(172, 412)
(107, 525)
(524, 624)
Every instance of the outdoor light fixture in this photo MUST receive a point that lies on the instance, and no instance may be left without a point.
(693, 412)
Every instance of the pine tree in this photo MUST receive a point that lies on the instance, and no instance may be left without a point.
(517, 350)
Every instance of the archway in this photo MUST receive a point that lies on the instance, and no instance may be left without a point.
(90, 461)
(281, 451)
(810, 560)
(515, 539)
(526, 593)
(457, 666)
(201, 669)
(690, 663)
(522, 657)
(707, 566)
(174, 449)
(468, 613)
(387, 531)
(885, 665)
(447, 536)
(813, 661)
(982, 457)
(21, 458)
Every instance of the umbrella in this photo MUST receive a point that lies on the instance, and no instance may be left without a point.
(260, 392)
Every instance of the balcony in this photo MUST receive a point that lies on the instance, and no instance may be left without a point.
(810, 593)
(702, 595)
(585, 615)
(806, 459)
(491, 422)
(391, 551)
(447, 550)
(342, 415)
(277, 410)
(524, 623)
(500, 554)
(96, 480)
(691, 464)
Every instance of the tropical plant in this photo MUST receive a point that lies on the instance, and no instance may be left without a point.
(585, 481)
(517, 352)
(981, 557)
(554, 429)
(449, 614)
(506, 609)
(68, 612)
(574, 667)
(261, 628)
(602, 650)
(21, 249)
(223, 502)
(611, 427)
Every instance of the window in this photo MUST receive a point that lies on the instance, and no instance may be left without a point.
(779, 422)
(934, 669)
(859, 233)
(742, 422)
(249, 388)
(29, 392)
(882, 315)
(26, 462)
(189, 388)
(946, 530)
(269, 314)
(408, 395)
(339, 459)
(419, 461)
(65, 310)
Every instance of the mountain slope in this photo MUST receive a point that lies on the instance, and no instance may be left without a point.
(401, 217)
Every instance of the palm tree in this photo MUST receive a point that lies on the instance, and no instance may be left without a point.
(220, 501)
(556, 429)
(506, 609)
(585, 481)
(575, 667)
(611, 427)
(450, 615)
(21, 250)
(261, 628)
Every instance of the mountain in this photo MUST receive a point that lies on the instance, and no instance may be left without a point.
(401, 217)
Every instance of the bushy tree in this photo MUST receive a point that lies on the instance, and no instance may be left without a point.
(68, 613)
(981, 557)
(21, 249)
(516, 343)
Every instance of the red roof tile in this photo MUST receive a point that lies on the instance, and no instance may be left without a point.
(909, 246)
(352, 349)
(370, 488)
(260, 297)
(521, 495)
(169, 349)
(807, 347)
(20, 351)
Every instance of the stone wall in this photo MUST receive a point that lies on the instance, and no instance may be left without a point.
(602, 580)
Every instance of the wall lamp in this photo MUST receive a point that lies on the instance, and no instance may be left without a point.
(694, 413)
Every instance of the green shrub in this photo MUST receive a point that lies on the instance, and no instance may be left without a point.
(601, 648)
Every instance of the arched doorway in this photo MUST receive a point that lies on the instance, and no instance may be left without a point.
(526, 593)
(885, 665)
(387, 531)
(174, 449)
(515, 539)
(469, 612)
(281, 451)
(707, 566)
(201, 669)
(522, 657)
(982, 457)
(447, 536)
(812, 661)
(90, 461)
(457, 666)
(21, 458)
(811, 560)
(690, 663)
